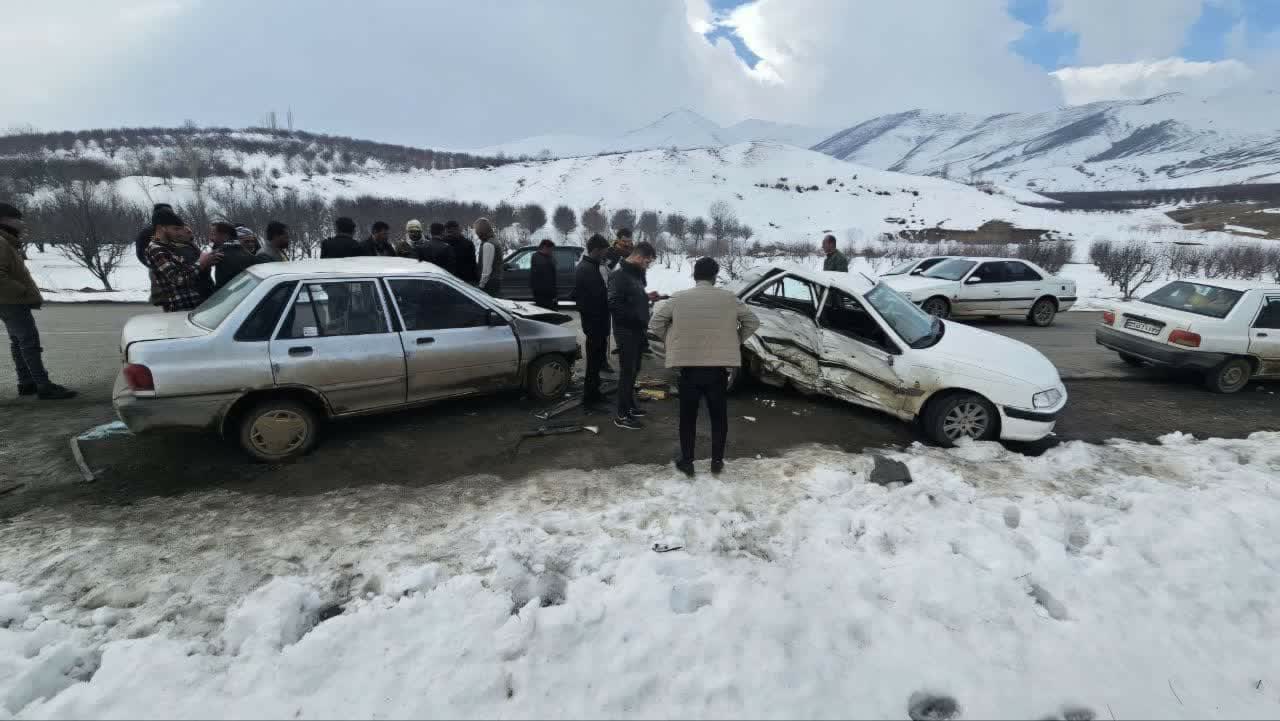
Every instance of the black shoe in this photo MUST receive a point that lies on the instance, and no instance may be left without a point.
(685, 467)
(628, 423)
(54, 392)
(637, 413)
(26, 389)
(716, 467)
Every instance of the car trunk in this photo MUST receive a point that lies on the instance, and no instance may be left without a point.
(158, 326)
(1151, 322)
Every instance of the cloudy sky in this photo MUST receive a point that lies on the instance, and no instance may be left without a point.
(467, 73)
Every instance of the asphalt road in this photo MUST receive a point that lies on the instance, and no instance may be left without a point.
(482, 436)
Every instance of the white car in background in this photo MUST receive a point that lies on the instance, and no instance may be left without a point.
(848, 337)
(988, 288)
(916, 266)
(1229, 331)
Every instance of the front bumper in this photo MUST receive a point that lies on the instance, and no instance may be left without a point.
(142, 413)
(1155, 352)
(1021, 424)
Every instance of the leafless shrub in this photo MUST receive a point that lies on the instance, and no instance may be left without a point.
(90, 224)
(1184, 261)
(1129, 266)
(875, 255)
(1050, 255)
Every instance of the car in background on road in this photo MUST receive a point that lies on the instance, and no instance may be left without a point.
(988, 288)
(846, 336)
(518, 265)
(1228, 331)
(916, 266)
(284, 346)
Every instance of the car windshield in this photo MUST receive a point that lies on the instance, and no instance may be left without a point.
(1198, 298)
(900, 268)
(949, 269)
(914, 326)
(213, 311)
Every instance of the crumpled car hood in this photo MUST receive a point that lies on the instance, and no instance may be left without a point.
(533, 312)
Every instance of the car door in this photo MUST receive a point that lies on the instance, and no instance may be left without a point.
(980, 293)
(1022, 286)
(858, 353)
(1264, 336)
(566, 268)
(453, 344)
(515, 275)
(788, 342)
(336, 338)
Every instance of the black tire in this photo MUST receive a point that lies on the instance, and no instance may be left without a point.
(548, 378)
(275, 431)
(1230, 377)
(1042, 313)
(937, 307)
(1132, 360)
(958, 415)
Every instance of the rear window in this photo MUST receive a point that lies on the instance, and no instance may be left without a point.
(1198, 298)
(213, 311)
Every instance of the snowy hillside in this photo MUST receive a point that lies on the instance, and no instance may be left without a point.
(1172, 140)
(677, 129)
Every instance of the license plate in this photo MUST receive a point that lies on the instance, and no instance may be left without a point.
(1148, 328)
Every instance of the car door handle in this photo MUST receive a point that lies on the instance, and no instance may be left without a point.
(426, 341)
(300, 350)
(1262, 335)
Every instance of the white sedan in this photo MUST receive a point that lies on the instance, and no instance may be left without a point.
(988, 287)
(848, 337)
(1229, 331)
(916, 266)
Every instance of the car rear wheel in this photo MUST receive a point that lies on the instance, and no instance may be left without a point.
(275, 431)
(1042, 313)
(548, 378)
(1230, 377)
(936, 306)
(961, 415)
(1132, 360)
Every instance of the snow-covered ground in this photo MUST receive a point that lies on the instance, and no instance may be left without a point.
(1134, 581)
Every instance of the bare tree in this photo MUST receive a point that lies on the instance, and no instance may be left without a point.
(90, 224)
(677, 225)
(1129, 266)
(1048, 254)
(564, 220)
(504, 216)
(697, 232)
(647, 225)
(593, 220)
(532, 217)
(724, 225)
(623, 219)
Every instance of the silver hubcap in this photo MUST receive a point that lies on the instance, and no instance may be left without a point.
(278, 433)
(1232, 376)
(1044, 313)
(967, 420)
(935, 308)
(551, 378)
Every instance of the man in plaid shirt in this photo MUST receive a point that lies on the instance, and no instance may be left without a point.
(179, 271)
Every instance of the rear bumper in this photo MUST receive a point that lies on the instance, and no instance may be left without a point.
(148, 413)
(1155, 352)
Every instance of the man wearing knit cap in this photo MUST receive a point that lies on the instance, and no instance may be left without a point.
(19, 296)
(178, 280)
(148, 232)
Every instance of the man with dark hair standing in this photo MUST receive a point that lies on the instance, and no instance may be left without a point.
(592, 297)
(490, 258)
(277, 245)
(629, 310)
(343, 244)
(378, 242)
(620, 249)
(464, 253)
(179, 271)
(236, 252)
(432, 250)
(704, 328)
(542, 276)
(145, 235)
(835, 260)
(19, 296)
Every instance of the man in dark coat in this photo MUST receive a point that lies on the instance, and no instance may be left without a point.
(629, 310)
(343, 244)
(232, 243)
(620, 249)
(592, 298)
(430, 250)
(835, 260)
(464, 253)
(379, 243)
(179, 271)
(542, 276)
(19, 296)
(143, 239)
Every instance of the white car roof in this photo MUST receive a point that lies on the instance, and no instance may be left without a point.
(852, 282)
(346, 266)
(1241, 285)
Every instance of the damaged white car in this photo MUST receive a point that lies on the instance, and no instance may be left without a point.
(845, 336)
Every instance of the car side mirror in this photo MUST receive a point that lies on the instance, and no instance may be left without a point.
(974, 279)
(492, 318)
(918, 271)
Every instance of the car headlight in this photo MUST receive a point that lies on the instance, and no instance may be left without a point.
(1046, 399)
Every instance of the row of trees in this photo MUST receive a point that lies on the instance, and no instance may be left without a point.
(1133, 264)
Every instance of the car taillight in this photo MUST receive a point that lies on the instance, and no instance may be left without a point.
(1108, 317)
(139, 377)
(1185, 337)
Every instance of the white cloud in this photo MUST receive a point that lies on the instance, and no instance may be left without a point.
(1119, 31)
(700, 16)
(1145, 79)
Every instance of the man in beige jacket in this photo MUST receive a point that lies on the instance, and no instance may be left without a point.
(704, 328)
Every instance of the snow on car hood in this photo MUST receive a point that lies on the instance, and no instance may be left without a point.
(991, 353)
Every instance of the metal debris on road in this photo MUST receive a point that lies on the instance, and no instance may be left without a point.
(750, 418)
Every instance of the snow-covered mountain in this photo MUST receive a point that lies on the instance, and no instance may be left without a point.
(1172, 140)
(680, 129)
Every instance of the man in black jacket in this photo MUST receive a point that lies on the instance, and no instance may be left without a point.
(620, 249)
(343, 244)
(542, 276)
(429, 250)
(629, 309)
(464, 253)
(378, 242)
(143, 239)
(592, 297)
(230, 241)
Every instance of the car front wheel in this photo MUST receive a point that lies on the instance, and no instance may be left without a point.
(1042, 313)
(275, 431)
(548, 378)
(937, 307)
(1230, 377)
(960, 415)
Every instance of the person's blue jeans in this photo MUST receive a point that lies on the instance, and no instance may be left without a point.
(24, 344)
